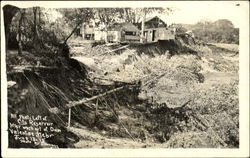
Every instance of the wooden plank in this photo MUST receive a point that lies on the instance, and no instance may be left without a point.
(85, 100)
(69, 117)
(123, 47)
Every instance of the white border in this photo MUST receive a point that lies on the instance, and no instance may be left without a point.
(243, 151)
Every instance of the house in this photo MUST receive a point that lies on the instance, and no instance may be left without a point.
(119, 32)
(123, 32)
(86, 31)
(156, 29)
(100, 35)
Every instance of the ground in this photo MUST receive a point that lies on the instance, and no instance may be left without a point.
(214, 75)
(185, 99)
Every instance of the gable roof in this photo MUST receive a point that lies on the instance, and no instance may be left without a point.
(124, 27)
(153, 22)
(155, 18)
(150, 18)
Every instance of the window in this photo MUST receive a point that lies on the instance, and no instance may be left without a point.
(78, 32)
(130, 33)
(89, 36)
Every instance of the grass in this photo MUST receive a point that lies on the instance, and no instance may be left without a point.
(231, 47)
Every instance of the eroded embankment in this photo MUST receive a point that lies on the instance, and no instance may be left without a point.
(173, 87)
(162, 100)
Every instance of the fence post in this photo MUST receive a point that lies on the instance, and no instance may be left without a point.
(69, 117)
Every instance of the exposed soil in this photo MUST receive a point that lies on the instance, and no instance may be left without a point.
(171, 99)
(148, 139)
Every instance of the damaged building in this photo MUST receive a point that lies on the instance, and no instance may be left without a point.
(156, 29)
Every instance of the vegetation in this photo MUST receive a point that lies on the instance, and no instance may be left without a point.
(220, 31)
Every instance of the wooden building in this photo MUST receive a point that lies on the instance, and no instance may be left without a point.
(156, 29)
(86, 31)
(123, 32)
(120, 33)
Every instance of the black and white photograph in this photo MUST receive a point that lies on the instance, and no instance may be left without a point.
(124, 75)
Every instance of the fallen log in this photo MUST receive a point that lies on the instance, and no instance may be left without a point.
(85, 100)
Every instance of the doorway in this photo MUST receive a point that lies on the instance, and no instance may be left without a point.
(153, 35)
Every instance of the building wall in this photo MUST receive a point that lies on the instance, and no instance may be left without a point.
(114, 36)
(86, 30)
(159, 34)
(132, 38)
(164, 34)
(89, 30)
(100, 35)
(148, 35)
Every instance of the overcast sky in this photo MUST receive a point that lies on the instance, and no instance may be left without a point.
(190, 13)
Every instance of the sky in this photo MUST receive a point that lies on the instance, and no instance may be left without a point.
(187, 12)
(191, 13)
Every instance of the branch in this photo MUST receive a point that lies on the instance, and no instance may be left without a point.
(74, 30)
(83, 101)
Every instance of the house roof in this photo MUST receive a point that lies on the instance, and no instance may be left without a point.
(151, 23)
(150, 18)
(124, 27)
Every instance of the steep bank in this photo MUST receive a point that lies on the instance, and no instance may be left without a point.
(166, 100)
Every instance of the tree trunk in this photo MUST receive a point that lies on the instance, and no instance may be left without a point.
(126, 14)
(35, 38)
(39, 15)
(37, 41)
(143, 26)
(20, 32)
(8, 12)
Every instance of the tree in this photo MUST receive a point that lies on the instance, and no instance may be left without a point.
(37, 41)
(22, 13)
(75, 17)
(9, 12)
(221, 31)
(107, 16)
